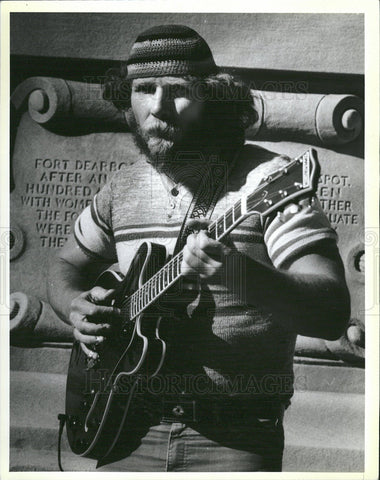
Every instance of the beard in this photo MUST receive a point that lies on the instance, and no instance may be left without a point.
(158, 141)
(165, 145)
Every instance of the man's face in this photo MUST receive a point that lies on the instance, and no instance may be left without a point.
(165, 109)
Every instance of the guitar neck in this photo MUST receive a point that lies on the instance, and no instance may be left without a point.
(303, 173)
(168, 275)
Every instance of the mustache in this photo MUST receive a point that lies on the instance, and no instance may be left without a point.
(162, 129)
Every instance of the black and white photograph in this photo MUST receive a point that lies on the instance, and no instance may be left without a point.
(192, 245)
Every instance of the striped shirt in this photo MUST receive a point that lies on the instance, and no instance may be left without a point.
(229, 341)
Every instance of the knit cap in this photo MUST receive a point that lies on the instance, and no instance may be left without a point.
(170, 50)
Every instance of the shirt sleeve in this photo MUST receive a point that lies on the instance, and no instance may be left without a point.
(93, 227)
(300, 226)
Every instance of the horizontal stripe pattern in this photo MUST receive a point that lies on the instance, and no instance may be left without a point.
(151, 235)
(98, 219)
(296, 230)
(88, 252)
(147, 226)
(293, 248)
(93, 238)
(161, 230)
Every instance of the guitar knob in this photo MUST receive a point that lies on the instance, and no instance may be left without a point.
(74, 422)
(126, 330)
(85, 404)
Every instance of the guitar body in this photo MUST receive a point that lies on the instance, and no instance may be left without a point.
(105, 398)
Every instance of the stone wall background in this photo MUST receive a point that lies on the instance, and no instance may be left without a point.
(311, 42)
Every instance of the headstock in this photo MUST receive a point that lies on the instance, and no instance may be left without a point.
(297, 179)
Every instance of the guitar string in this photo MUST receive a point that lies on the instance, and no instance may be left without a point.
(138, 297)
(143, 296)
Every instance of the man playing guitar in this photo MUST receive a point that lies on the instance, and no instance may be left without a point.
(243, 299)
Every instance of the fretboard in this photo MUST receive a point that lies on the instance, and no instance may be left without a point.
(171, 271)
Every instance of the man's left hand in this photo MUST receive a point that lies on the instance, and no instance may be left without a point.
(202, 255)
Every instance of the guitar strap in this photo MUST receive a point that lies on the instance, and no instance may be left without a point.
(205, 199)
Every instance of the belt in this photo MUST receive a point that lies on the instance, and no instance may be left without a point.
(220, 411)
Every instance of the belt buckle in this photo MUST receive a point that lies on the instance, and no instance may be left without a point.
(181, 410)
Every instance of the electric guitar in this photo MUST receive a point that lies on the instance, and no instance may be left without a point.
(104, 398)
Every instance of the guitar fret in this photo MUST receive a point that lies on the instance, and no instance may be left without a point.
(133, 308)
(142, 298)
(219, 227)
(172, 269)
(212, 230)
(147, 294)
(163, 278)
(151, 281)
(130, 307)
(154, 286)
(171, 273)
(230, 218)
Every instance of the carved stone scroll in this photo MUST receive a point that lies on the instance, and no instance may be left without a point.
(315, 119)
(54, 99)
(301, 117)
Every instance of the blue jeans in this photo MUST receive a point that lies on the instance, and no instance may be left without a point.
(176, 447)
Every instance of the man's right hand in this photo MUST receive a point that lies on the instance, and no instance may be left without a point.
(92, 317)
